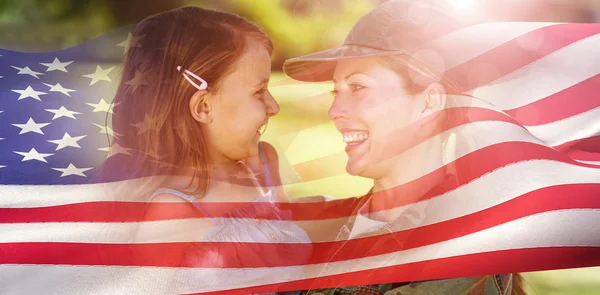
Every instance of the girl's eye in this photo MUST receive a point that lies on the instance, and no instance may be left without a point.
(333, 92)
(261, 92)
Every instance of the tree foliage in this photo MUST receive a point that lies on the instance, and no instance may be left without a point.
(299, 27)
(296, 26)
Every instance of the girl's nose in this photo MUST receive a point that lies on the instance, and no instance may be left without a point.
(272, 105)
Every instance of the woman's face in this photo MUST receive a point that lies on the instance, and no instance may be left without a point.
(374, 112)
(241, 107)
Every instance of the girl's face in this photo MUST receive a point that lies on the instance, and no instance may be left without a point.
(375, 115)
(241, 107)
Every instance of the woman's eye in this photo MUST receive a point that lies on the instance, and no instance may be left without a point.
(356, 87)
(260, 92)
(333, 92)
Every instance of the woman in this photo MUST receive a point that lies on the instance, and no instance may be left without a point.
(392, 107)
(190, 111)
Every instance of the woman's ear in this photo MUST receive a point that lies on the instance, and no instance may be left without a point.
(200, 107)
(434, 98)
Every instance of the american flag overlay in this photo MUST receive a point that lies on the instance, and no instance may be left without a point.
(527, 199)
(54, 111)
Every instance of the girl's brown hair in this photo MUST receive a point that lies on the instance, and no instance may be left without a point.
(151, 107)
(417, 77)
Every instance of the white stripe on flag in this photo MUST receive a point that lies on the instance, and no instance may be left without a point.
(553, 73)
(467, 43)
(502, 185)
(589, 162)
(580, 126)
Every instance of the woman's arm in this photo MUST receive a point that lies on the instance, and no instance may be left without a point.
(271, 163)
(319, 227)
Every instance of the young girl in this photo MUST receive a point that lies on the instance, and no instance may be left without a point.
(391, 110)
(190, 110)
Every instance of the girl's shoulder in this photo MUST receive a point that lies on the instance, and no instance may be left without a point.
(166, 203)
(170, 195)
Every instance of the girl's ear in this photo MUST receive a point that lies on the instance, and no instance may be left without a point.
(434, 98)
(200, 107)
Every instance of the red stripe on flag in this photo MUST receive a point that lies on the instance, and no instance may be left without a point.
(478, 264)
(579, 98)
(512, 55)
(581, 155)
(589, 145)
(572, 196)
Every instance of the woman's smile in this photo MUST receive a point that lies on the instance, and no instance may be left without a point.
(354, 138)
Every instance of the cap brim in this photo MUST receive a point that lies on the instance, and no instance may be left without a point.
(319, 66)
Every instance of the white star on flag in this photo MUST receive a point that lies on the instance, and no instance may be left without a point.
(62, 112)
(57, 65)
(34, 155)
(138, 80)
(145, 125)
(72, 170)
(99, 75)
(29, 92)
(115, 149)
(59, 88)
(155, 155)
(2, 166)
(66, 141)
(31, 126)
(102, 106)
(27, 71)
(131, 41)
(107, 130)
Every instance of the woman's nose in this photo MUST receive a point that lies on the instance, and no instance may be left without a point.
(338, 110)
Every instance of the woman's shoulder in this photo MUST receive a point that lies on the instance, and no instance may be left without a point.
(492, 285)
(469, 285)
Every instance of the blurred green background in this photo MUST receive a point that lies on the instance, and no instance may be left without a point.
(301, 131)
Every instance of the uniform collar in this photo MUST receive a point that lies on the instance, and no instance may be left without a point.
(361, 223)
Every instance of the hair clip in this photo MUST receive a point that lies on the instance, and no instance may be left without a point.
(203, 84)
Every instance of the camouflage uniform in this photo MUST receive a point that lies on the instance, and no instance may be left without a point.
(414, 215)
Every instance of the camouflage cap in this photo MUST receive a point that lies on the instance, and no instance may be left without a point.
(394, 27)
